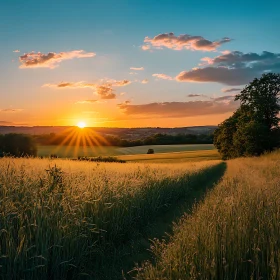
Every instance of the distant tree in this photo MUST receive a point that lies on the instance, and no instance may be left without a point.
(151, 151)
(18, 145)
(254, 126)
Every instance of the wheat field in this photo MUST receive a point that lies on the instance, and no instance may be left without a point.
(233, 234)
(62, 219)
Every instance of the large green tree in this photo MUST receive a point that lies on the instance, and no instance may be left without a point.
(254, 126)
(262, 97)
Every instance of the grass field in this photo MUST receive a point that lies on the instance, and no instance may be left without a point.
(174, 157)
(63, 219)
(72, 151)
(233, 234)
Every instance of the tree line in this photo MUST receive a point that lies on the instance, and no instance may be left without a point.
(20, 145)
(112, 140)
(17, 145)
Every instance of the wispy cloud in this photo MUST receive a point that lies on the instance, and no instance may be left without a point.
(146, 47)
(90, 101)
(51, 59)
(194, 95)
(179, 109)
(137, 68)
(16, 51)
(7, 123)
(10, 110)
(227, 90)
(225, 98)
(233, 68)
(145, 81)
(120, 83)
(184, 41)
(163, 77)
(105, 90)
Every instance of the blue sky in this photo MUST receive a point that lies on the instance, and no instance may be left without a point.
(115, 32)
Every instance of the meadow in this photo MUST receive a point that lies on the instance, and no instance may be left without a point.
(93, 151)
(64, 219)
(233, 234)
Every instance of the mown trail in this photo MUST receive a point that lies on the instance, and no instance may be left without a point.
(137, 250)
(233, 234)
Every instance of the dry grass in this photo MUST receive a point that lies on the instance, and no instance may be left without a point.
(61, 219)
(233, 234)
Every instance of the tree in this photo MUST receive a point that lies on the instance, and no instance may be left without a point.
(254, 126)
(251, 139)
(18, 145)
(262, 97)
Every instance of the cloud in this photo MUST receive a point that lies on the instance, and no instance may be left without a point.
(146, 47)
(16, 51)
(234, 68)
(179, 109)
(9, 110)
(120, 83)
(220, 75)
(224, 98)
(105, 90)
(185, 41)
(51, 59)
(226, 90)
(137, 68)
(72, 85)
(90, 101)
(127, 102)
(163, 76)
(133, 73)
(145, 81)
(194, 95)
(6, 123)
(240, 59)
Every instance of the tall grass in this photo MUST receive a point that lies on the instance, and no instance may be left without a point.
(233, 234)
(61, 219)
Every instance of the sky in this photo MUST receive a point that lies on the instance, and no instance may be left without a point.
(125, 63)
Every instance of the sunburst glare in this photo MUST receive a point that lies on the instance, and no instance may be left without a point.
(81, 124)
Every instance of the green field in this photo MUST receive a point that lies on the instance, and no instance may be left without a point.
(72, 151)
(174, 157)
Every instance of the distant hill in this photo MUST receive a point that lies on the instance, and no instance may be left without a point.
(125, 133)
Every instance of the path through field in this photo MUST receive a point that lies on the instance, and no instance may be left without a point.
(135, 252)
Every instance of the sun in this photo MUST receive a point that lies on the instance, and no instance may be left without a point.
(81, 124)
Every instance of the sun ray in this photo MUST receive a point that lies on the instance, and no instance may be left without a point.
(72, 142)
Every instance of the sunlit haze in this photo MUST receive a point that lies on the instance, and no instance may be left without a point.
(81, 124)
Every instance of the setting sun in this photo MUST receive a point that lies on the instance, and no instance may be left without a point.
(81, 124)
